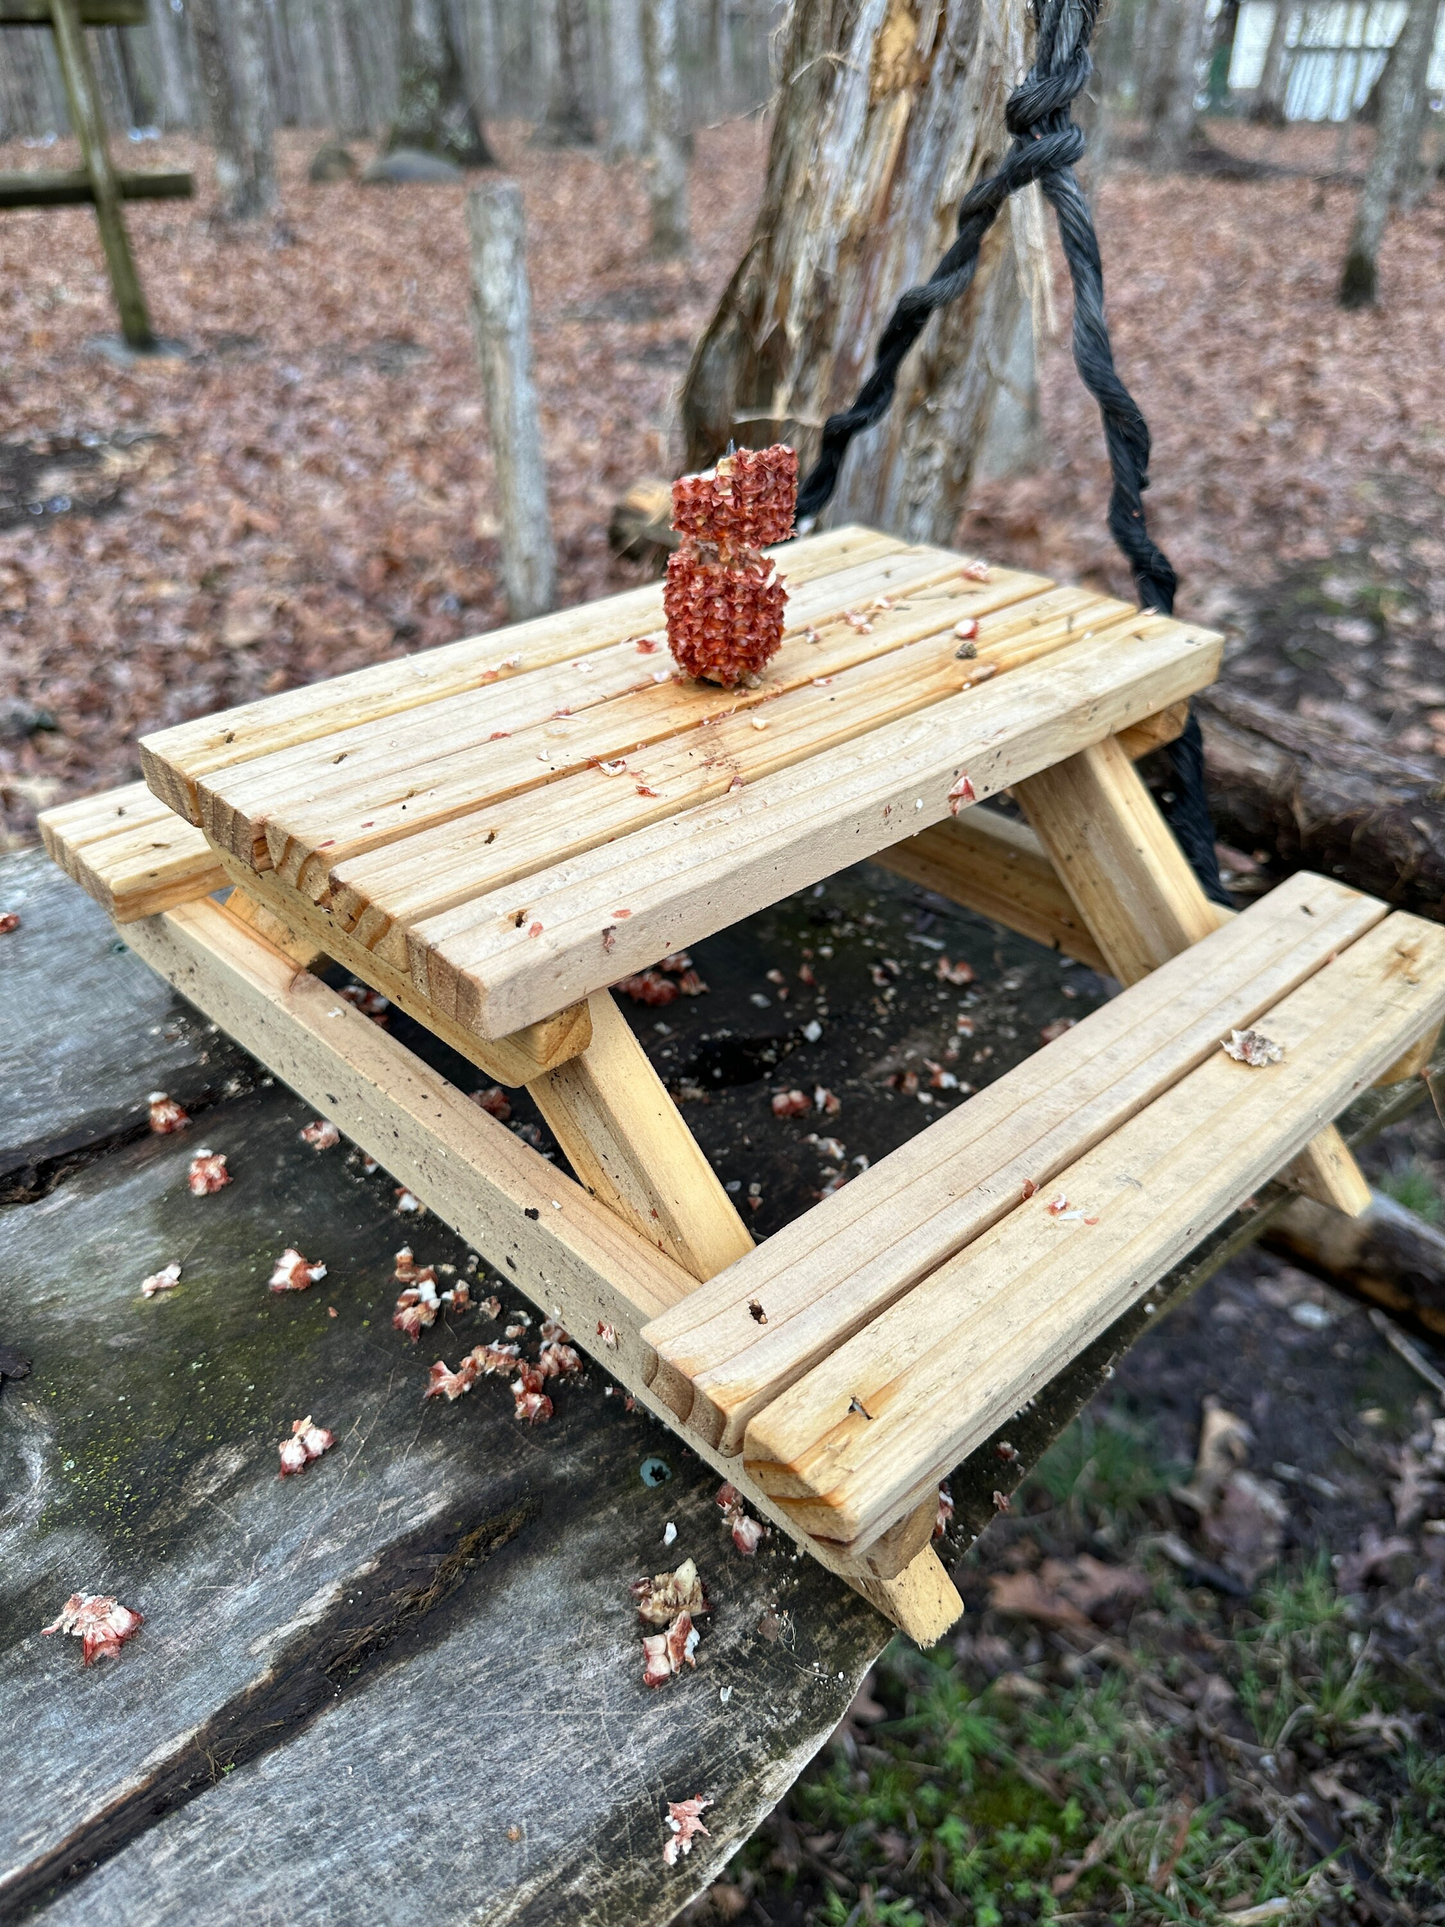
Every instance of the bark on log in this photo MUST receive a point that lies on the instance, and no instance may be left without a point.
(885, 119)
(502, 317)
(434, 108)
(1388, 1254)
(1321, 802)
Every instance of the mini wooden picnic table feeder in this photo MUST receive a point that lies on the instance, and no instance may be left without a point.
(492, 833)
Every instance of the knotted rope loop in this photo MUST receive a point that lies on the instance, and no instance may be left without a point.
(1046, 145)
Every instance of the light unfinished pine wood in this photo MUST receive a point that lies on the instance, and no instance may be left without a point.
(303, 812)
(1131, 883)
(303, 950)
(995, 865)
(382, 894)
(572, 1256)
(823, 1278)
(1117, 858)
(173, 760)
(1326, 1171)
(696, 872)
(533, 1050)
(1415, 1061)
(130, 852)
(858, 1442)
(626, 1140)
(1154, 732)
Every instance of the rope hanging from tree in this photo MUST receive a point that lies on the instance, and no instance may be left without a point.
(1046, 145)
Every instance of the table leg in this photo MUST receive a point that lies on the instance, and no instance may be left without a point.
(628, 1143)
(1129, 881)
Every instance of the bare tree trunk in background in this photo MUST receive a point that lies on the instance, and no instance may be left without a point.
(240, 123)
(1174, 130)
(176, 108)
(347, 119)
(568, 120)
(1158, 57)
(434, 110)
(882, 127)
(1401, 120)
(627, 124)
(256, 107)
(666, 164)
(1268, 103)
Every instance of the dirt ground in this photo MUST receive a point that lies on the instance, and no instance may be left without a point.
(1191, 1684)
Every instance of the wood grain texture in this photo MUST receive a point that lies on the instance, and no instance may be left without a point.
(568, 1252)
(1117, 858)
(304, 811)
(130, 852)
(173, 760)
(513, 1060)
(627, 1141)
(381, 895)
(852, 1446)
(1326, 1171)
(824, 1277)
(273, 1729)
(1131, 883)
(997, 866)
(694, 873)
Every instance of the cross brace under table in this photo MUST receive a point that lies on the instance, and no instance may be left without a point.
(492, 833)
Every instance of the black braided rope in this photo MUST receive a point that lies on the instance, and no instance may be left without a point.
(1046, 145)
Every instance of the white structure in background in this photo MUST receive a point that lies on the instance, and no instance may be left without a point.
(1338, 51)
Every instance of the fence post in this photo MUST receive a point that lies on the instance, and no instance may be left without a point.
(502, 323)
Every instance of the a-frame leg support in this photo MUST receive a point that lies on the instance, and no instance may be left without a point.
(1130, 882)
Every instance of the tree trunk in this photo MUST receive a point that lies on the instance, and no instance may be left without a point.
(880, 131)
(1158, 61)
(434, 111)
(666, 164)
(1401, 119)
(1321, 802)
(627, 120)
(568, 119)
(240, 124)
(502, 325)
(347, 118)
(1174, 130)
(1267, 106)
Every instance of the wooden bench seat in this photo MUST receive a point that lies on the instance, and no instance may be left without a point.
(863, 1370)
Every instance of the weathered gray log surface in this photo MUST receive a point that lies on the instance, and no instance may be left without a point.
(355, 1684)
(89, 1030)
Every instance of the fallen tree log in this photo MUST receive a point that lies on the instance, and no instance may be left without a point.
(1389, 1255)
(1314, 799)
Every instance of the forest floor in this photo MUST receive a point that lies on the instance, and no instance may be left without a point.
(1224, 1705)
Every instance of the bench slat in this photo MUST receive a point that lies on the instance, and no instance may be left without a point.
(131, 852)
(824, 1277)
(855, 1443)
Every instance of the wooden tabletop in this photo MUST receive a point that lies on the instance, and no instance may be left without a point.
(406, 1684)
(521, 818)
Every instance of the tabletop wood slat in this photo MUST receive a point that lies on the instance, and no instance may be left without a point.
(696, 872)
(173, 760)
